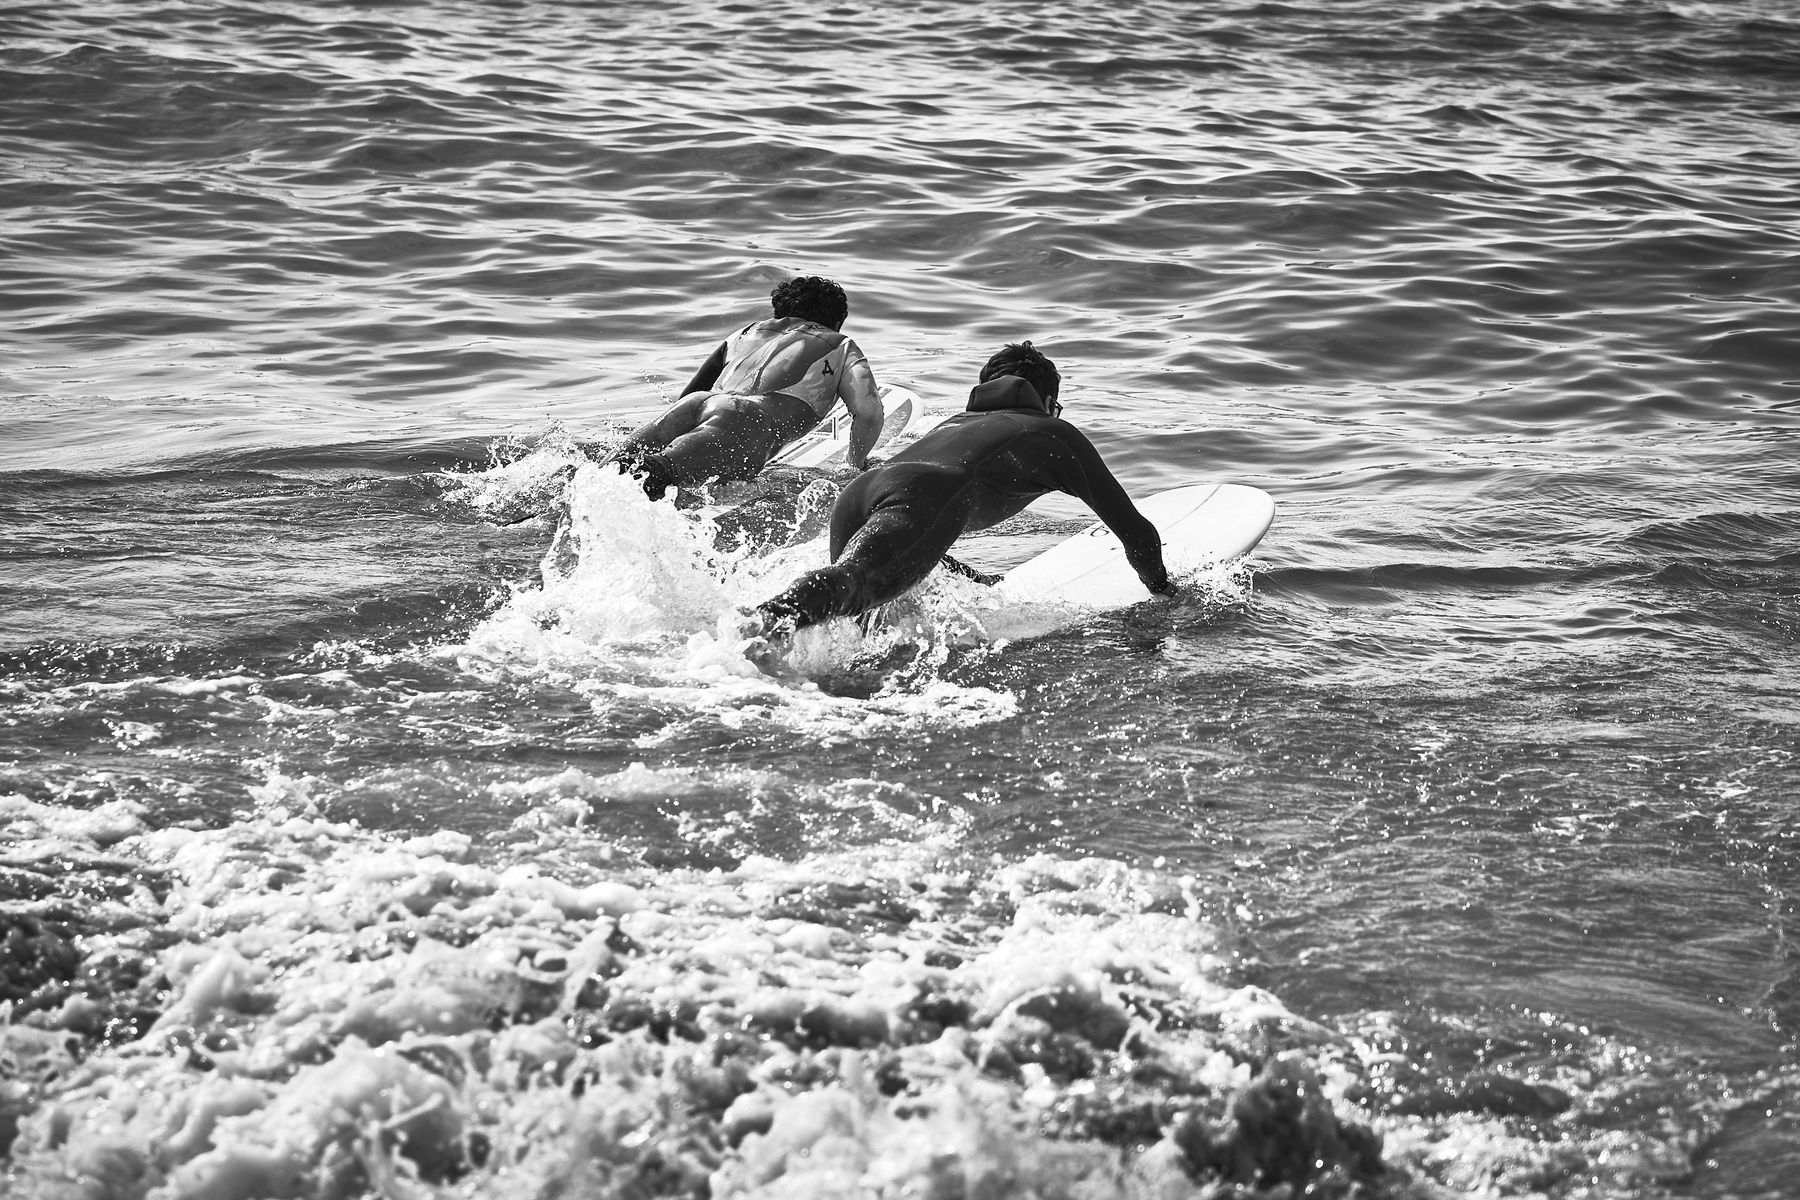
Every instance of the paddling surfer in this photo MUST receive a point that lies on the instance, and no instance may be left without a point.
(895, 522)
(760, 390)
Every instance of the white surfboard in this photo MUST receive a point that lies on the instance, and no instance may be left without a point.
(1087, 572)
(1201, 523)
(759, 509)
(827, 444)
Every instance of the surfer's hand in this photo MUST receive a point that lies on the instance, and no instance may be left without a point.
(1163, 587)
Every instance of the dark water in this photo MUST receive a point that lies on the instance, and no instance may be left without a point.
(354, 847)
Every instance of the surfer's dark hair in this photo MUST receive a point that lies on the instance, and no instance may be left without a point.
(811, 298)
(1028, 363)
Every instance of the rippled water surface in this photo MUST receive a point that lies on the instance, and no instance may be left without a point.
(366, 836)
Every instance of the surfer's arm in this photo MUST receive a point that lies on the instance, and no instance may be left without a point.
(708, 374)
(856, 388)
(1143, 544)
(1092, 482)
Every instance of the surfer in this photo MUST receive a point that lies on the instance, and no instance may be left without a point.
(896, 522)
(761, 389)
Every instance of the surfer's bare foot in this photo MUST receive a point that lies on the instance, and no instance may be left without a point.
(957, 567)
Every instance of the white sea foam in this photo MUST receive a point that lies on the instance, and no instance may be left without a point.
(523, 481)
(338, 1014)
(28, 822)
(344, 1011)
(635, 605)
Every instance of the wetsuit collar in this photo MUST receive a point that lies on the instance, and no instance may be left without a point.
(1007, 391)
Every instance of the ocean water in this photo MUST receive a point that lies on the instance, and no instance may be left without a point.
(384, 816)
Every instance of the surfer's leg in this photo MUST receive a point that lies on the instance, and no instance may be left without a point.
(912, 518)
(638, 454)
(675, 420)
(814, 596)
(734, 439)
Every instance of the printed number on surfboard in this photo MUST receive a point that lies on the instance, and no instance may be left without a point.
(1200, 523)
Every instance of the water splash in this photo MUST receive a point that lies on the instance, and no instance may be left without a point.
(637, 604)
(523, 478)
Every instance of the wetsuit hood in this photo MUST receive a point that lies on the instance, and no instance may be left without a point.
(1007, 391)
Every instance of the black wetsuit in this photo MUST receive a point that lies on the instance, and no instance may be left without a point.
(895, 522)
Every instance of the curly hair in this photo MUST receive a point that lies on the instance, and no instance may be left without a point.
(1028, 363)
(811, 298)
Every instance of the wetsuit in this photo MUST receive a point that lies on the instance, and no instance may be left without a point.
(895, 522)
(762, 388)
